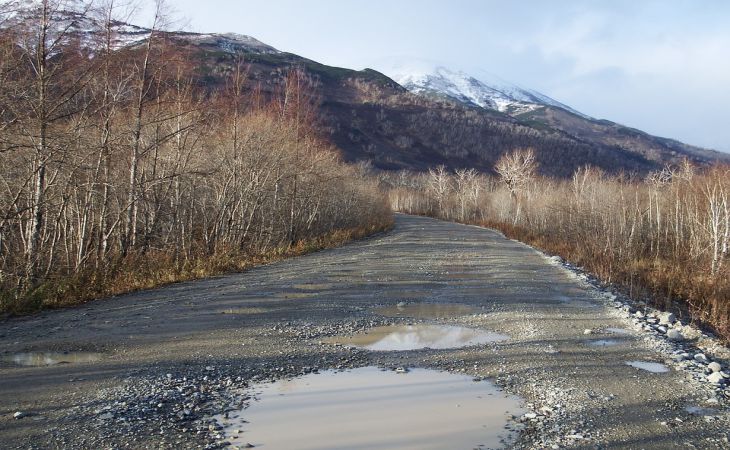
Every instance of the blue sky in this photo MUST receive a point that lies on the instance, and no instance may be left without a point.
(660, 66)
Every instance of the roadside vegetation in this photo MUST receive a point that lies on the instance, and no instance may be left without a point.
(120, 170)
(663, 238)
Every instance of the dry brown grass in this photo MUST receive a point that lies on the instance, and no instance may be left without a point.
(664, 283)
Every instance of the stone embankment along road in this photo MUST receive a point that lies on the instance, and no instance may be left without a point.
(173, 357)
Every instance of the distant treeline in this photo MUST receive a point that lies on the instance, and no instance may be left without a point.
(118, 171)
(665, 238)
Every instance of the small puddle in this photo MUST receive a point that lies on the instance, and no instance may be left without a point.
(369, 408)
(618, 330)
(412, 337)
(652, 367)
(313, 286)
(251, 310)
(577, 303)
(700, 411)
(52, 358)
(426, 310)
(603, 342)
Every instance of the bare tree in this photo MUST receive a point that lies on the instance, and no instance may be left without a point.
(439, 183)
(517, 170)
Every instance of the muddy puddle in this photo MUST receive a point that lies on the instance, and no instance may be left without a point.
(652, 367)
(244, 311)
(412, 337)
(369, 408)
(577, 303)
(616, 330)
(52, 358)
(426, 310)
(700, 411)
(603, 342)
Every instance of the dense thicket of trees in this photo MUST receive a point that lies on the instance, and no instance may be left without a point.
(666, 237)
(114, 157)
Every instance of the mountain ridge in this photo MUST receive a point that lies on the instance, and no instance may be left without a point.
(371, 117)
(485, 90)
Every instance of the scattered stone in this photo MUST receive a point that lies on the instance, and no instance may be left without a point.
(587, 331)
(714, 366)
(700, 357)
(715, 378)
(675, 335)
(19, 415)
(667, 318)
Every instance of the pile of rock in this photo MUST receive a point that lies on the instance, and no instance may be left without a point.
(680, 339)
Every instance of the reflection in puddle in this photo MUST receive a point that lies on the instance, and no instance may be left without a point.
(369, 408)
(411, 337)
(426, 310)
(649, 366)
(51, 358)
(603, 342)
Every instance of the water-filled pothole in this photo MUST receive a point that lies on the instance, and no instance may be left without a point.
(52, 358)
(616, 330)
(603, 342)
(369, 408)
(412, 337)
(652, 367)
(700, 411)
(426, 310)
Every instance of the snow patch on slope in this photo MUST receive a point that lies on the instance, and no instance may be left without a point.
(485, 90)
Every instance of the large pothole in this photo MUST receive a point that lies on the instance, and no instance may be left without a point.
(369, 408)
(52, 358)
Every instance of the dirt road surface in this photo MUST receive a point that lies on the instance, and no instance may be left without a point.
(171, 358)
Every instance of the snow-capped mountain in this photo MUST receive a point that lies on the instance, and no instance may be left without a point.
(90, 29)
(484, 90)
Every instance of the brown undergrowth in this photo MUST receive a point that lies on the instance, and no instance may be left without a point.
(662, 283)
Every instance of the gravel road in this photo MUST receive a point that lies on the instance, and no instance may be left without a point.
(169, 359)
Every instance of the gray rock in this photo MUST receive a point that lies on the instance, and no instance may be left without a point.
(587, 331)
(714, 366)
(667, 318)
(19, 415)
(715, 378)
(675, 335)
(700, 357)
